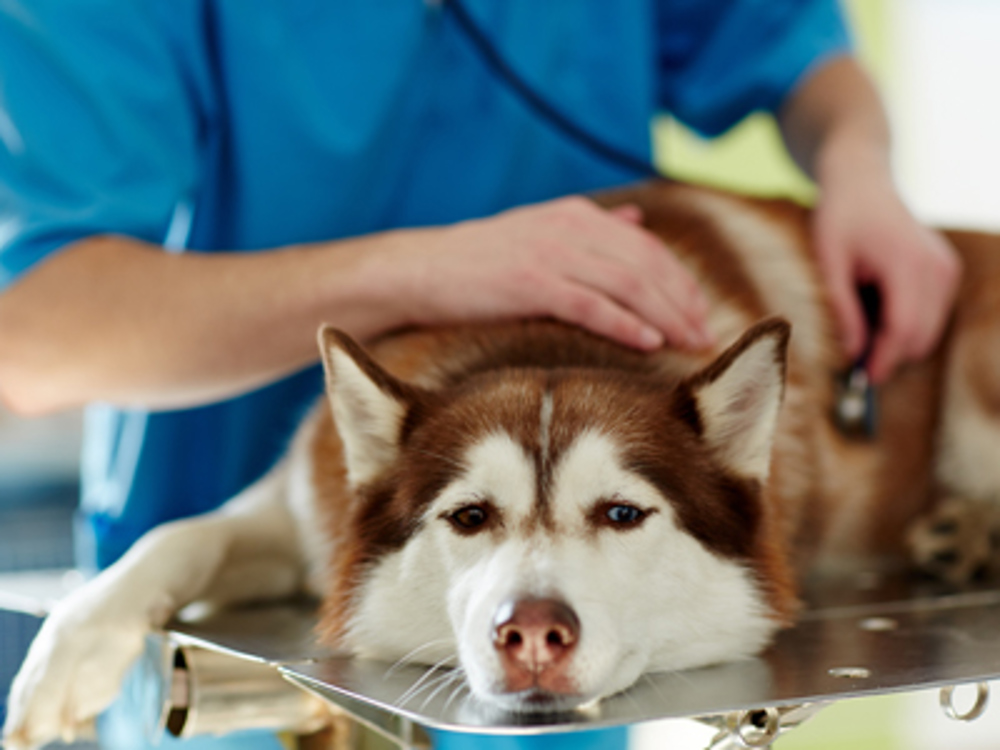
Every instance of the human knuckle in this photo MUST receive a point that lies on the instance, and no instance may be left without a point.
(549, 253)
(529, 278)
(557, 221)
(684, 289)
(583, 307)
(623, 281)
(632, 285)
(636, 251)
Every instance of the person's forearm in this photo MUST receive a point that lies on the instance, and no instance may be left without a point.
(114, 319)
(834, 122)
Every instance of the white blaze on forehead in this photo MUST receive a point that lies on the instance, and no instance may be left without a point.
(498, 468)
(591, 470)
(545, 427)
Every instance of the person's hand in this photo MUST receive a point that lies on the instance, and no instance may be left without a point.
(568, 259)
(836, 129)
(863, 233)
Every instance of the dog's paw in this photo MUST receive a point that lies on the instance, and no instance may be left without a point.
(958, 541)
(72, 672)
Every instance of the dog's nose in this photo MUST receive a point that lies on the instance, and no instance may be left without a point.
(534, 638)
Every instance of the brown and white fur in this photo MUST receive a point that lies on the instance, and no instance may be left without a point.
(558, 514)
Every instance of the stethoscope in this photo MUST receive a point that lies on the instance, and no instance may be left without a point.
(855, 410)
(507, 75)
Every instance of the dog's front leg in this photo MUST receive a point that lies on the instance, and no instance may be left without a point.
(246, 550)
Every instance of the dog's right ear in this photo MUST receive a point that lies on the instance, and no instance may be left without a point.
(369, 405)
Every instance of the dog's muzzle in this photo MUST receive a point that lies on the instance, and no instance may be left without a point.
(535, 640)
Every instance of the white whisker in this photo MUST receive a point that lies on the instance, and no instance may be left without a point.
(449, 678)
(680, 676)
(416, 686)
(656, 688)
(630, 699)
(459, 686)
(407, 658)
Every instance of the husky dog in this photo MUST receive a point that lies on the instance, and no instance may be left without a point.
(561, 514)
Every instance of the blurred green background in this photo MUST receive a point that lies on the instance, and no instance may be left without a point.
(750, 157)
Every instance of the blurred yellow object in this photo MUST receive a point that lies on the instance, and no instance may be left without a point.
(750, 158)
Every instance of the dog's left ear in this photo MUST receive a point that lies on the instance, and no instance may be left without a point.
(734, 402)
(369, 405)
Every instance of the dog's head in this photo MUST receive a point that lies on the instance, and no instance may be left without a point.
(562, 531)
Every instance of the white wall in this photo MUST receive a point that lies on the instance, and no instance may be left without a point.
(945, 103)
(37, 451)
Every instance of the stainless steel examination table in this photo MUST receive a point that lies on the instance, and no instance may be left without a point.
(861, 634)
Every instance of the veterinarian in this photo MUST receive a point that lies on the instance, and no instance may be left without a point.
(187, 189)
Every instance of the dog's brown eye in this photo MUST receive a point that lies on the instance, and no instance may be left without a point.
(470, 517)
(624, 515)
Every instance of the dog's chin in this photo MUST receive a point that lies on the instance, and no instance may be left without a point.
(539, 701)
(535, 701)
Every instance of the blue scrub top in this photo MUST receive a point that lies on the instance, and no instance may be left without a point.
(222, 125)
(227, 125)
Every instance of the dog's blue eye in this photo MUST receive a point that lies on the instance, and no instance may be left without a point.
(470, 517)
(624, 515)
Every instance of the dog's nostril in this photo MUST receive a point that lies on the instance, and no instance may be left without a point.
(535, 631)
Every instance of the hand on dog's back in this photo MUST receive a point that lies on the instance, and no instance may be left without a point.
(567, 259)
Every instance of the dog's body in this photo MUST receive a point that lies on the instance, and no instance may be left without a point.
(559, 514)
